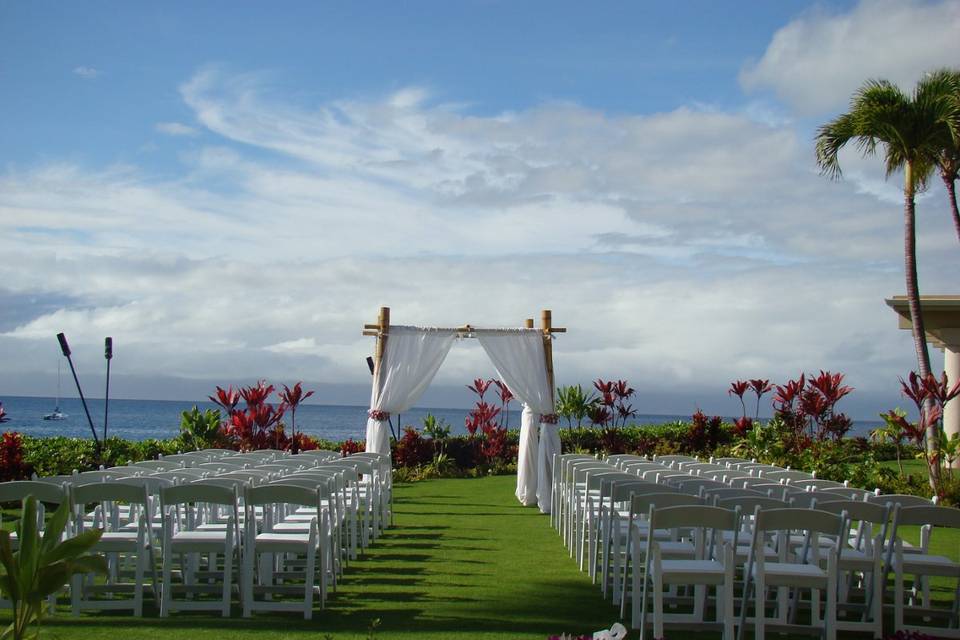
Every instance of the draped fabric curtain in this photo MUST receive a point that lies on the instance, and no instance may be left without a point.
(519, 358)
(411, 360)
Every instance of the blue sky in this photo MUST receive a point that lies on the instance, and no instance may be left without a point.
(232, 189)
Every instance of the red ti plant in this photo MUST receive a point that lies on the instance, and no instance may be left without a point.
(599, 415)
(613, 403)
(819, 402)
(738, 388)
(786, 404)
(483, 418)
(256, 394)
(505, 397)
(258, 426)
(623, 391)
(761, 388)
(482, 415)
(479, 386)
(350, 447)
(742, 426)
(931, 395)
(292, 398)
(227, 399)
(12, 466)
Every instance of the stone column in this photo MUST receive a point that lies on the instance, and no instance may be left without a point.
(951, 412)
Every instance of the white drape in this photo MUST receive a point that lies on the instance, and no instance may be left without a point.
(518, 356)
(411, 360)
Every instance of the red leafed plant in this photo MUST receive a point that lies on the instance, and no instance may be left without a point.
(506, 396)
(412, 450)
(292, 398)
(12, 466)
(760, 388)
(479, 386)
(738, 388)
(257, 426)
(930, 395)
(227, 399)
(613, 405)
(807, 403)
(350, 447)
(483, 418)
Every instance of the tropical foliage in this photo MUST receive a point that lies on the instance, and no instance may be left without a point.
(930, 395)
(42, 565)
(200, 429)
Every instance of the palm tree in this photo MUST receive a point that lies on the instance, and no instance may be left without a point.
(910, 129)
(948, 160)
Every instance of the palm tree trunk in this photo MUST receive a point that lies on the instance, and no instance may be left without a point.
(913, 301)
(952, 192)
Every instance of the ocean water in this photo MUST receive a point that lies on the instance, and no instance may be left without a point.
(143, 419)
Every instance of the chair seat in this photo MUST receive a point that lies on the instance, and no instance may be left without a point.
(199, 540)
(793, 575)
(117, 541)
(921, 563)
(272, 542)
(692, 571)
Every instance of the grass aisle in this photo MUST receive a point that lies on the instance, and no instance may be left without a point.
(464, 559)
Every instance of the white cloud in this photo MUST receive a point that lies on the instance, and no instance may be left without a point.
(175, 129)
(87, 73)
(818, 60)
(682, 248)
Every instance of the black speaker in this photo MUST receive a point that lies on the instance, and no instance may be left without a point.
(108, 348)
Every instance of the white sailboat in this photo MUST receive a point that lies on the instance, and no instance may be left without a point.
(57, 414)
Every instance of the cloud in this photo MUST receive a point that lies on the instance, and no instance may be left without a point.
(87, 73)
(175, 129)
(818, 60)
(682, 249)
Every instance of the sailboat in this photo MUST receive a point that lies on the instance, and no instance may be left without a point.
(57, 414)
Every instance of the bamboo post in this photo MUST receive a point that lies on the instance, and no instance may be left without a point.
(546, 325)
(383, 322)
(380, 331)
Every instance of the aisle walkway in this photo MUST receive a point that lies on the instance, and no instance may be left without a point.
(465, 555)
(463, 560)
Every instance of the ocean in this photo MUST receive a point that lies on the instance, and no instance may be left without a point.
(143, 419)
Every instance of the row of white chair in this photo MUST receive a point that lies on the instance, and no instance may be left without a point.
(284, 524)
(841, 542)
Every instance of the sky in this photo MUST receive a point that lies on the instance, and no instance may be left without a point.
(231, 190)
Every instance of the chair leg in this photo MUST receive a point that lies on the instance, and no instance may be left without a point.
(657, 606)
(76, 593)
(728, 587)
(246, 575)
(227, 579)
(138, 583)
(165, 582)
(759, 603)
(308, 579)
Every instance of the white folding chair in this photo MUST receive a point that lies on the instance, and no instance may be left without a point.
(126, 540)
(793, 571)
(186, 509)
(922, 564)
(277, 573)
(712, 564)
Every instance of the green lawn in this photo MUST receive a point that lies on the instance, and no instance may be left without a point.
(464, 560)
